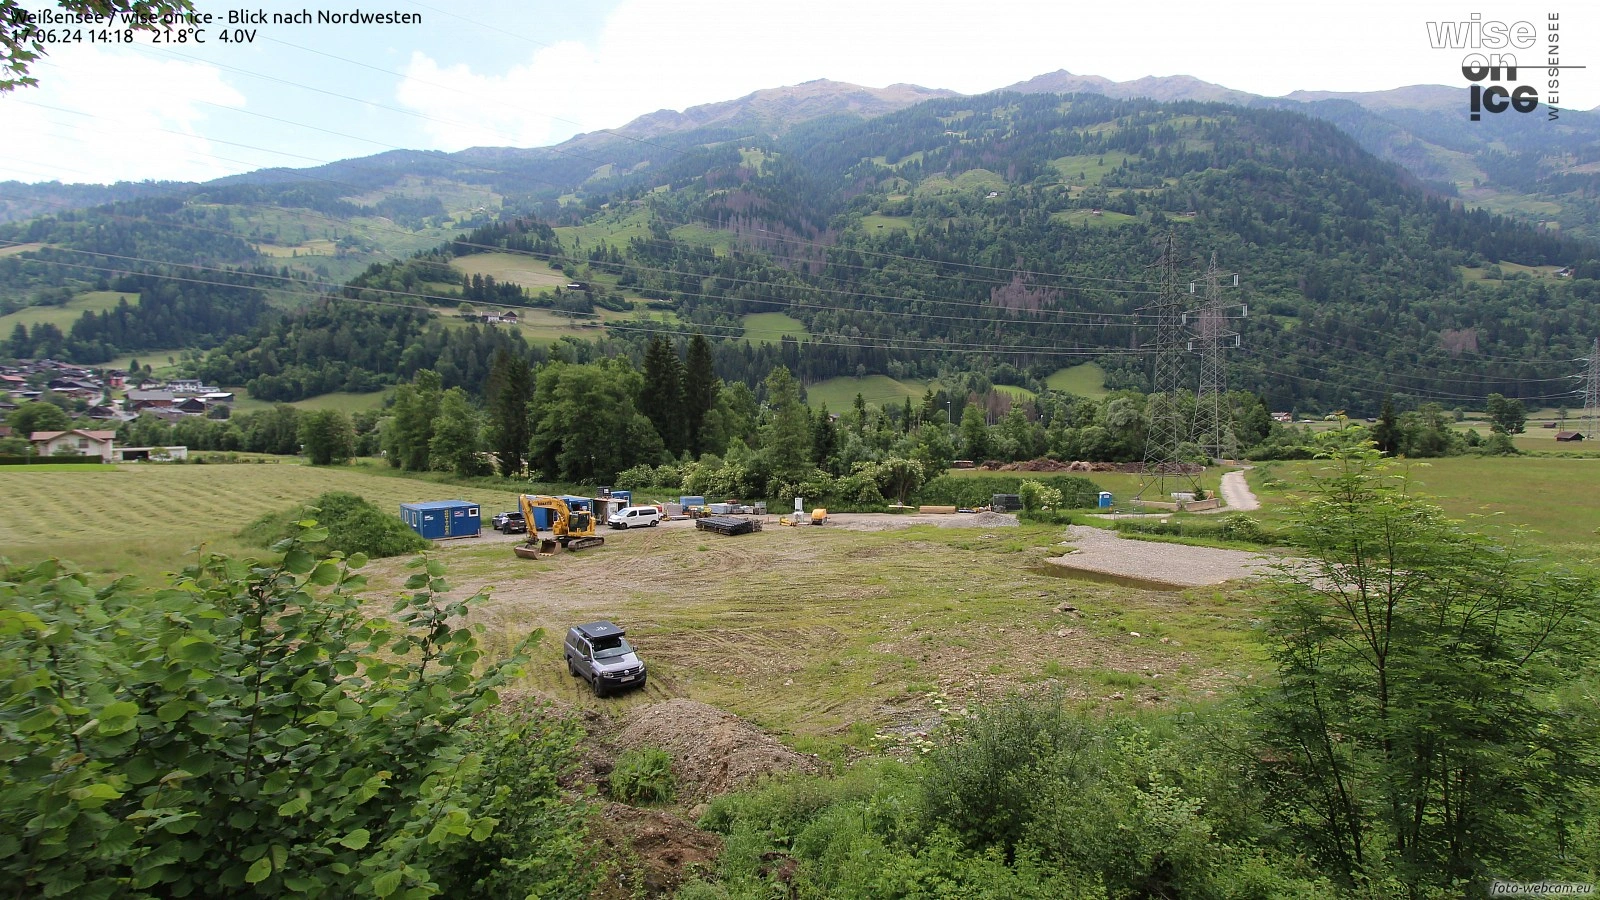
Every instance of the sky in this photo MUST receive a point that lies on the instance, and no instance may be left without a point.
(533, 73)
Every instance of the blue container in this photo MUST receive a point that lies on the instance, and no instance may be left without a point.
(687, 502)
(625, 496)
(543, 518)
(440, 519)
(578, 504)
(1105, 499)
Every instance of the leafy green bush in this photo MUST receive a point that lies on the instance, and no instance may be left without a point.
(352, 525)
(1022, 800)
(1237, 527)
(977, 490)
(539, 847)
(244, 730)
(643, 776)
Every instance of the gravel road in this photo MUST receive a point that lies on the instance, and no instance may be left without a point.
(1178, 565)
(1236, 493)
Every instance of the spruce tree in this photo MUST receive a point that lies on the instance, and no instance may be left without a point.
(700, 389)
(510, 387)
(661, 399)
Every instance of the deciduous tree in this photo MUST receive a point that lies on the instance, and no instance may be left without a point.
(327, 437)
(1416, 729)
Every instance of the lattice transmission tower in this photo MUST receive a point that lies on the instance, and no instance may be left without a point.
(1166, 429)
(1213, 332)
(1591, 394)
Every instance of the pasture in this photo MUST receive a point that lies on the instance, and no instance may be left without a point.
(877, 390)
(1084, 380)
(63, 316)
(772, 328)
(531, 272)
(343, 401)
(1550, 497)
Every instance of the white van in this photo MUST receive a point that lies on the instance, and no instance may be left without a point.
(634, 517)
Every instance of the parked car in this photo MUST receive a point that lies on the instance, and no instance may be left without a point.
(599, 654)
(510, 523)
(635, 517)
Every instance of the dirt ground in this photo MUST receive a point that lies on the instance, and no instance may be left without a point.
(827, 637)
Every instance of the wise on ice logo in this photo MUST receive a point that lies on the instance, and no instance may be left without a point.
(1491, 68)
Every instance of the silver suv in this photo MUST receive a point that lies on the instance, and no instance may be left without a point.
(598, 653)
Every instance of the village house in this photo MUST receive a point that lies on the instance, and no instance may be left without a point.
(75, 442)
(140, 400)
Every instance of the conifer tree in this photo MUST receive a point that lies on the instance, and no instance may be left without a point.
(510, 387)
(661, 399)
(700, 389)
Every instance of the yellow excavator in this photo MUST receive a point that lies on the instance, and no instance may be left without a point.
(573, 529)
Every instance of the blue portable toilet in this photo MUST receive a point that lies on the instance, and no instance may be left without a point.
(440, 519)
(1105, 499)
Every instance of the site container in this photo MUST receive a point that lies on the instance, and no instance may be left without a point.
(440, 519)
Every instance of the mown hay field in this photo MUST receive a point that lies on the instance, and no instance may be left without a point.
(142, 519)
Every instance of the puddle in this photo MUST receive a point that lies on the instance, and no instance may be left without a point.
(1059, 570)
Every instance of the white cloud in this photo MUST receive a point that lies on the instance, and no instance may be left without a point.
(107, 115)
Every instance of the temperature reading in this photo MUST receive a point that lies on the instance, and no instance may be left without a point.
(179, 36)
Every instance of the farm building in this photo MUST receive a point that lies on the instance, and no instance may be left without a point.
(1569, 435)
(440, 519)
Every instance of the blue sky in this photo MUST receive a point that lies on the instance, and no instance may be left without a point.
(494, 72)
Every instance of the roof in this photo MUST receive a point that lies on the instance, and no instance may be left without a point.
(1569, 435)
(438, 504)
(92, 435)
(150, 395)
(599, 629)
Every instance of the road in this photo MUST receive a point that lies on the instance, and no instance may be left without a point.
(1236, 493)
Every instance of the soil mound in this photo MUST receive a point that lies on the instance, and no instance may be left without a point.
(713, 752)
(667, 848)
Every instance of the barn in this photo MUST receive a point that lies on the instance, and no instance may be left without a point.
(438, 520)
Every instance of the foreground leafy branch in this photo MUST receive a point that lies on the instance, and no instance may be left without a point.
(247, 729)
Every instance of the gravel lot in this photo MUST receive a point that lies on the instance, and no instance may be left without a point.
(1108, 553)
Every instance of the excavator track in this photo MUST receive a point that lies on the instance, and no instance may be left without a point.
(584, 543)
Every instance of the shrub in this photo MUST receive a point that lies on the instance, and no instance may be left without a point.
(643, 776)
(350, 524)
(977, 490)
(245, 730)
(539, 847)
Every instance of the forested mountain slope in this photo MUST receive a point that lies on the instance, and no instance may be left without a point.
(1006, 234)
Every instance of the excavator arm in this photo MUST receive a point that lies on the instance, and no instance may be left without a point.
(572, 530)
